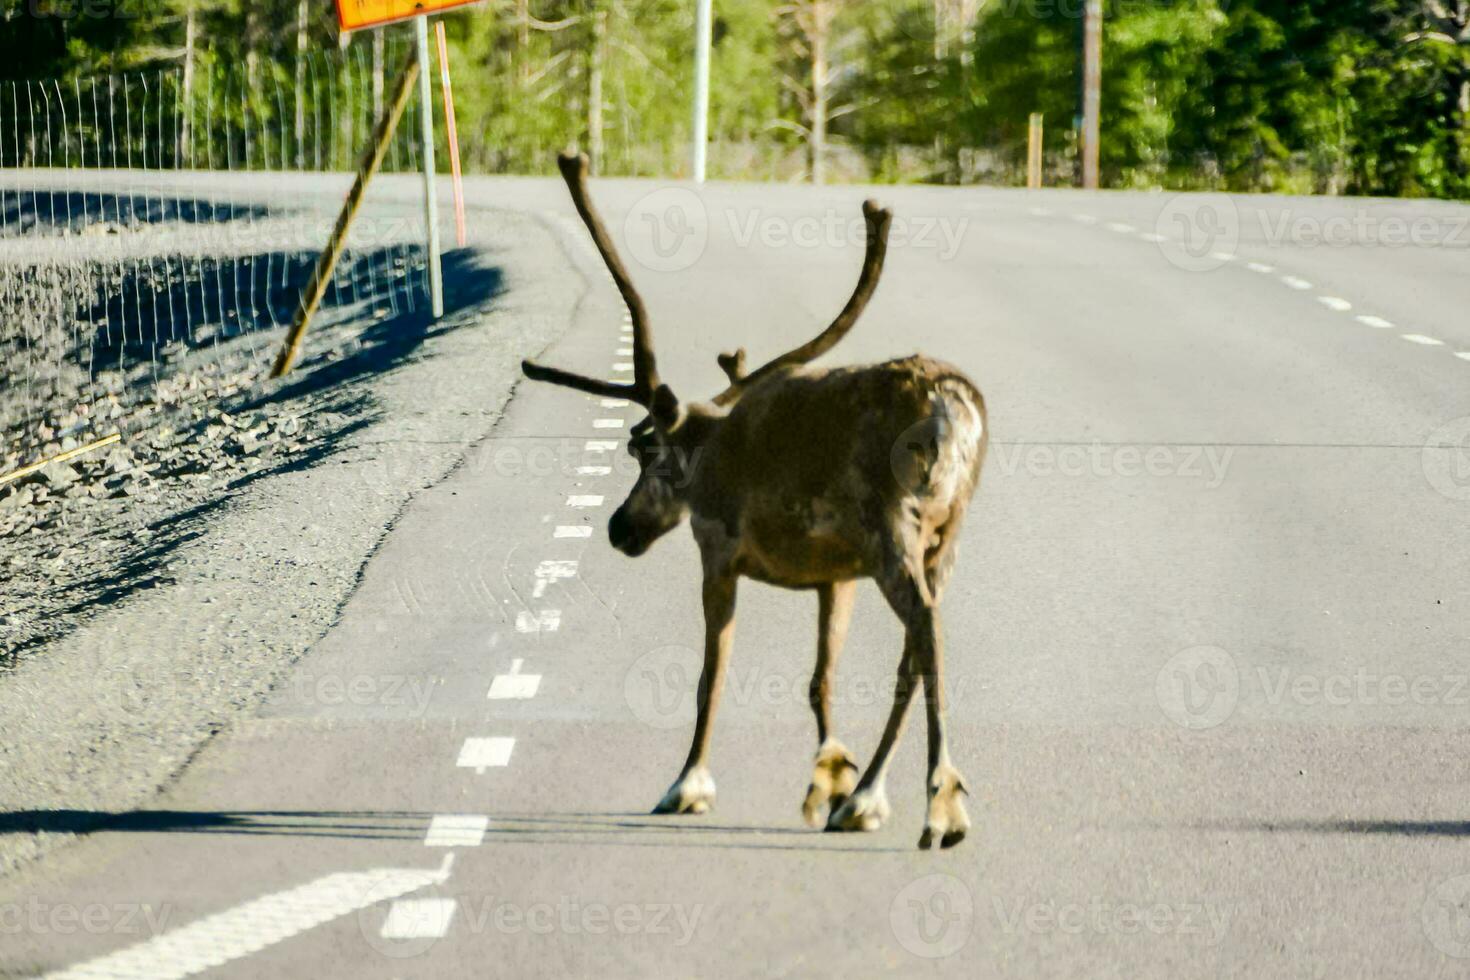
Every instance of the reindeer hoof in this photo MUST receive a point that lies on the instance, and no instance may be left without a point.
(693, 792)
(865, 811)
(947, 820)
(833, 780)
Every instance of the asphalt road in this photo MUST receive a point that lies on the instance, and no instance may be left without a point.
(1207, 660)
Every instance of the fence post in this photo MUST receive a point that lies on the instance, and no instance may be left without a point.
(311, 297)
(1033, 151)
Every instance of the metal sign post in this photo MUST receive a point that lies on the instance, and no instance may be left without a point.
(1092, 46)
(431, 193)
(702, 29)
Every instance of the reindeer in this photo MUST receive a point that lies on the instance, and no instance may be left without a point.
(807, 478)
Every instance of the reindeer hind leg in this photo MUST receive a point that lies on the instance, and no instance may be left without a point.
(834, 774)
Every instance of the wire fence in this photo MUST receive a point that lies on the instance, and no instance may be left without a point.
(156, 227)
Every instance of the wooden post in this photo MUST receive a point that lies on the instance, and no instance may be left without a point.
(451, 126)
(311, 297)
(60, 458)
(1033, 151)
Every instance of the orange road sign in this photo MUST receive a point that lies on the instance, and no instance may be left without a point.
(354, 15)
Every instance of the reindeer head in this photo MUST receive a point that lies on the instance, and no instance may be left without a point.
(668, 444)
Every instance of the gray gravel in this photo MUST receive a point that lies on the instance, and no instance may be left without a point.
(154, 590)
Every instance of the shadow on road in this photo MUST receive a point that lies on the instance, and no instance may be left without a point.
(1403, 828)
(616, 829)
(386, 825)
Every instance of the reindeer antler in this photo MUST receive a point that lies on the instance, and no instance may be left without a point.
(645, 371)
(878, 219)
(733, 364)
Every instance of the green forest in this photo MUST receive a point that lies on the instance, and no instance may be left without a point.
(1298, 96)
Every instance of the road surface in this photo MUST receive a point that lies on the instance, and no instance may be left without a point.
(1207, 637)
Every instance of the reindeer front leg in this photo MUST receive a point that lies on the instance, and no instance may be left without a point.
(694, 790)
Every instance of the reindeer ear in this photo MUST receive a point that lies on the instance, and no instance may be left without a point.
(664, 407)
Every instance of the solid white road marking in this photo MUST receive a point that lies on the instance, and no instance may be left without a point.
(545, 621)
(600, 445)
(456, 830)
(572, 531)
(418, 918)
(607, 423)
(1335, 303)
(1419, 338)
(552, 571)
(1368, 320)
(1292, 282)
(234, 933)
(1260, 267)
(480, 754)
(584, 500)
(514, 686)
(593, 470)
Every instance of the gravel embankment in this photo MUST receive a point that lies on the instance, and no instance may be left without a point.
(153, 591)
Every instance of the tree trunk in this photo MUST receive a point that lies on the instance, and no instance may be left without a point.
(523, 41)
(817, 144)
(303, 12)
(347, 118)
(186, 135)
(596, 56)
(1460, 140)
(380, 54)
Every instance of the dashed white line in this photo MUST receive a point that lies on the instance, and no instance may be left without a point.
(552, 571)
(1260, 267)
(545, 621)
(624, 352)
(572, 531)
(1377, 322)
(1335, 303)
(599, 445)
(1463, 355)
(245, 929)
(1153, 236)
(1121, 228)
(1292, 282)
(584, 500)
(1419, 338)
(419, 918)
(514, 686)
(1085, 219)
(615, 403)
(1041, 212)
(607, 423)
(593, 470)
(480, 754)
(456, 830)
(1223, 256)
